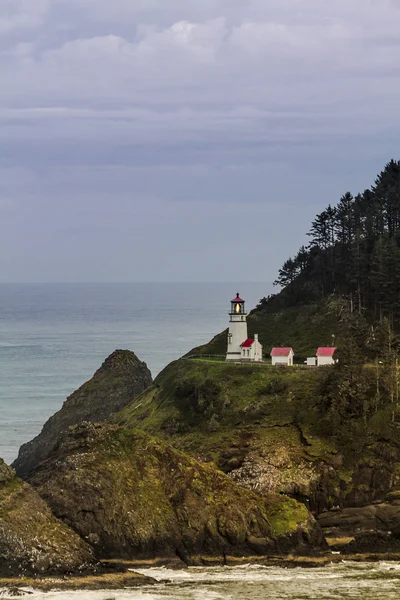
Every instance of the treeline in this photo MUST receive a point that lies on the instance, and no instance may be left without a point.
(354, 251)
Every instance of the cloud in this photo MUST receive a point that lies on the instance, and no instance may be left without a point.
(22, 15)
(152, 103)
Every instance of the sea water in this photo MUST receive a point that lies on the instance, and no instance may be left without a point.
(357, 581)
(54, 336)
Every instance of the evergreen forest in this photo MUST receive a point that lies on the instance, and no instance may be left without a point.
(353, 251)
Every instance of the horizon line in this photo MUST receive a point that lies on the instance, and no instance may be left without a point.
(128, 282)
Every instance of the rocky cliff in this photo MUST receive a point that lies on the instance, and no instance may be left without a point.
(131, 496)
(119, 380)
(259, 425)
(32, 540)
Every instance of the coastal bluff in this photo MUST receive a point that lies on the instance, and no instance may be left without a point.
(115, 384)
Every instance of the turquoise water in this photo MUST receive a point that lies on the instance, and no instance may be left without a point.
(54, 336)
(357, 581)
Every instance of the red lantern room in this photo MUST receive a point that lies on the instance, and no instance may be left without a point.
(237, 306)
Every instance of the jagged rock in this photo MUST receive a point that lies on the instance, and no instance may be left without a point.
(134, 497)
(32, 540)
(119, 380)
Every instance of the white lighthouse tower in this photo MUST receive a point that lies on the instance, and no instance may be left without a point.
(237, 329)
(240, 347)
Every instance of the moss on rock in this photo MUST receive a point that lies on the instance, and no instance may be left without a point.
(132, 496)
(32, 540)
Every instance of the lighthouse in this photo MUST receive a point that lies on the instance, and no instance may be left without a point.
(240, 347)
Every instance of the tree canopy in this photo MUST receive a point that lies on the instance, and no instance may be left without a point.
(353, 251)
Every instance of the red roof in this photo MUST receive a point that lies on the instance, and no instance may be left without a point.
(237, 299)
(326, 351)
(247, 344)
(281, 351)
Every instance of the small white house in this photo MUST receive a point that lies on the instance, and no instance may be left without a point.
(325, 356)
(282, 356)
(252, 349)
(311, 361)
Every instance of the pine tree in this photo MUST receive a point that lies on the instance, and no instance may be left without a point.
(288, 273)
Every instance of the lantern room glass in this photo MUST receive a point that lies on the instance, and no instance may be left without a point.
(237, 308)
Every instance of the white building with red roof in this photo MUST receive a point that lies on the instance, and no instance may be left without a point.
(282, 356)
(325, 356)
(240, 346)
(252, 349)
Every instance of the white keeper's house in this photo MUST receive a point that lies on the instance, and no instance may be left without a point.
(240, 346)
(282, 356)
(325, 356)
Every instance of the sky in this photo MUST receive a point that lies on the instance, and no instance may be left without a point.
(178, 140)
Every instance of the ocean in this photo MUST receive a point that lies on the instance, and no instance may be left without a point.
(54, 336)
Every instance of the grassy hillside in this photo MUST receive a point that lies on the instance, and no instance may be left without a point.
(224, 413)
(263, 425)
(303, 327)
(200, 396)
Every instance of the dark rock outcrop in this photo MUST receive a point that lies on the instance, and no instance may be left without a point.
(133, 497)
(372, 543)
(119, 380)
(32, 540)
(380, 517)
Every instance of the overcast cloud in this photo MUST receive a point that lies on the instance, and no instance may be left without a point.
(178, 140)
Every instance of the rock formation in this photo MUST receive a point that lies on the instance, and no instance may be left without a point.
(119, 380)
(32, 540)
(246, 420)
(379, 517)
(133, 497)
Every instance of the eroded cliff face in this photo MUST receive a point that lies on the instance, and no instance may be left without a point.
(32, 540)
(120, 379)
(133, 497)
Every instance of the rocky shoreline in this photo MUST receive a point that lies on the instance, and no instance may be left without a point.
(125, 577)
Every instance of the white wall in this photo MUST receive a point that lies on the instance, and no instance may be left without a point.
(283, 360)
(257, 353)
(238, 331)
(325, 360)
(253, 353)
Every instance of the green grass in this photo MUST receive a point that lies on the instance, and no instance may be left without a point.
(207, 408)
